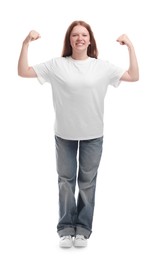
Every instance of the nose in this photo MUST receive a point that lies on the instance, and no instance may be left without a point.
(79, 37)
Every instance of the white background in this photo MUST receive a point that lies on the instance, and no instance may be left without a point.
(124, 226)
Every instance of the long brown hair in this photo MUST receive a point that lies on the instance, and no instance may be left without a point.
(92, 48)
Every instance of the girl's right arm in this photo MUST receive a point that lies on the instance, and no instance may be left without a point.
(24, 70)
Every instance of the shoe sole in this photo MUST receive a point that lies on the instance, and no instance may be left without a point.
(80, 244)
(66, 245)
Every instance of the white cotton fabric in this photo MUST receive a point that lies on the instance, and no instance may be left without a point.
(79, 88)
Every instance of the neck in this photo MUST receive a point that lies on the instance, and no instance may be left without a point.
(79, 56)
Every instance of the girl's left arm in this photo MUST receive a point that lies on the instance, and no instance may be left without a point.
(132, 74)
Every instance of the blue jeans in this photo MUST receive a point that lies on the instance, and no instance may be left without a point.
(77, 161)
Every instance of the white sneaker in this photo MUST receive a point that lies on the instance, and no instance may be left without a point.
(66, 241)
(80, 241)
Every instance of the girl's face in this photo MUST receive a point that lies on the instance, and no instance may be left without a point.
(79, 39)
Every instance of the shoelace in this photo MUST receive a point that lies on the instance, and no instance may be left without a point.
(66, 237)
(80, 237)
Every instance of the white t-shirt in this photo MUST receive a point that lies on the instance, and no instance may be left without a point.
(79, 88)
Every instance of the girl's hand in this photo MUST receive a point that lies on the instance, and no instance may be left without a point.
(32, 36)
(124, 40)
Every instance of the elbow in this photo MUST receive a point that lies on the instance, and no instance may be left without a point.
(22, 73)
(130, 76)
(136, 78)
(26, 72)
(136, 75)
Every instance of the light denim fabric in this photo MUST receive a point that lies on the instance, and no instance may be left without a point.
(77, 161)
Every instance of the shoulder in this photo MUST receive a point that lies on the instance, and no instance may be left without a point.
(53, 63)
(108, 65)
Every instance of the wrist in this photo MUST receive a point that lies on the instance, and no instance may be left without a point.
(25, 43)
(130, 46)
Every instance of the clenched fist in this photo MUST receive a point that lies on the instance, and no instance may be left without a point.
(124, 40)
(32, 36)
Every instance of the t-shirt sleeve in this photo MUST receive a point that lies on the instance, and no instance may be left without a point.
(43, 71)
(115, 74)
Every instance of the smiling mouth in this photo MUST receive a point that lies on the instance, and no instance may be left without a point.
(79, 44)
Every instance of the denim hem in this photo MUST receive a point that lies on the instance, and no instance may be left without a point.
(68, 231)
(83, 231)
